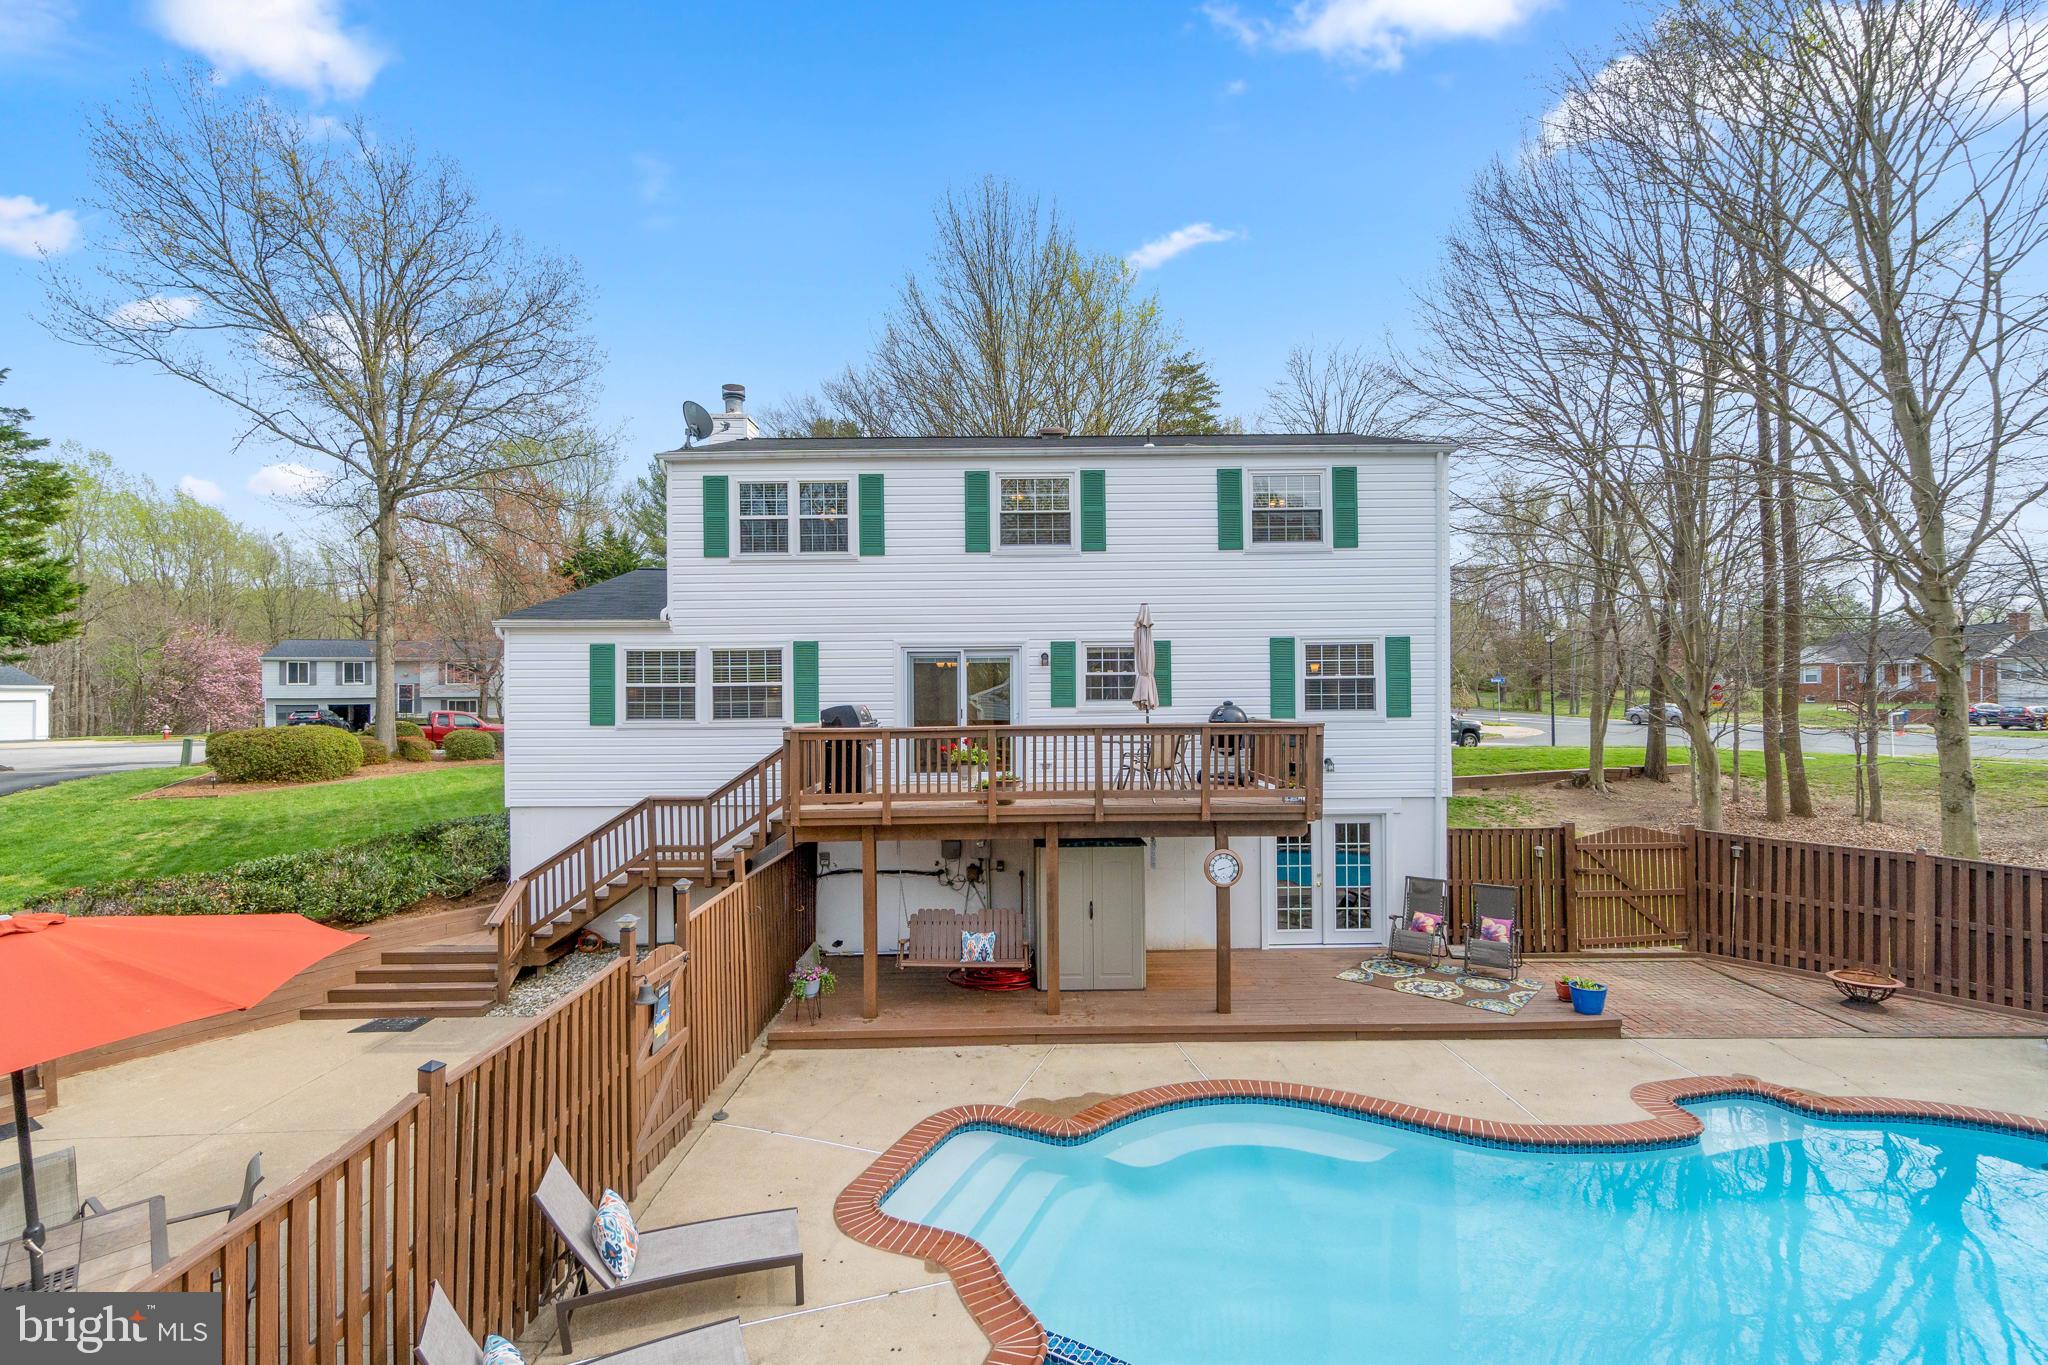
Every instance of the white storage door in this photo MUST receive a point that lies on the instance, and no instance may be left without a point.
(17, 719)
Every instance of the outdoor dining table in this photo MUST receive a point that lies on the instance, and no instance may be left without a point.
(107, 1252)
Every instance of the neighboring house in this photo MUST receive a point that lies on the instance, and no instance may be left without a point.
(341, 675)
(2023, 668)
(24, 705)
(1833, 671)
(956, 582)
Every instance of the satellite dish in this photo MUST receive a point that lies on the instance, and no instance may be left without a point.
(696, 420)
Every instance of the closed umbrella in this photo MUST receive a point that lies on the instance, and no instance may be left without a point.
(1145, 696)
(67, 984)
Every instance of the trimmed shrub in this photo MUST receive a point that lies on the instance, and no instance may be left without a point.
(469, 744)
(413, 749)
(410, 727)
(352, 884)
(373, 750)
(284, 753)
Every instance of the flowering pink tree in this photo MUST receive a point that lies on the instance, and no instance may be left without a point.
(206, 679)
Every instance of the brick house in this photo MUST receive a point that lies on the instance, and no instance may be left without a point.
(1833, 671)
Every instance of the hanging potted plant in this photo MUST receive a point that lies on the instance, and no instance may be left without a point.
(807, 982)
(1588, 996)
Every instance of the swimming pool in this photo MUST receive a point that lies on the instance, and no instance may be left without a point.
(1251, 1231)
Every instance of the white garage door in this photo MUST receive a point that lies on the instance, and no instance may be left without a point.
(17, 720)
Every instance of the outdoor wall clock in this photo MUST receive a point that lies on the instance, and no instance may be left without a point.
(1222, 867)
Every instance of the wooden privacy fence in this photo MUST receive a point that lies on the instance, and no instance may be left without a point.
(1533, 861)
(1630, 888)
(333, 1269)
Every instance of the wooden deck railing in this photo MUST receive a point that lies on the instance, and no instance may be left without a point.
(993, 773)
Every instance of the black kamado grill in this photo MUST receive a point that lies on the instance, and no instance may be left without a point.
(846, 760)
(1229, 755)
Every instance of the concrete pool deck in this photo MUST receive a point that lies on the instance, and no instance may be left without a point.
(799, 1126)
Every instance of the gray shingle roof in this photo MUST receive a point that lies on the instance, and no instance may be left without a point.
(636, 595)
(1902, 641)
(321, 649)
(1036, 444)
(10, 676)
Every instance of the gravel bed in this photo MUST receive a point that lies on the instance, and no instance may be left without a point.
(535, 991)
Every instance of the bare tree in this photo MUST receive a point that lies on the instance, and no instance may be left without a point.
(1012, 328)
(1338, 389)
(350, 299)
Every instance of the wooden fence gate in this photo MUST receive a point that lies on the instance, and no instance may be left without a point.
(1630, 887)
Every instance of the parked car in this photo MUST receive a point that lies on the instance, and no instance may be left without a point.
(1464, 733)
(440, 724)
(315, 715)
(1639, 714)
(1984, 713)
(2022, 717)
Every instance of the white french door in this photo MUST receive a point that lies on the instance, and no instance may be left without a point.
(1322, 887)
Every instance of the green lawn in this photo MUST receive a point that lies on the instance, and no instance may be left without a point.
(2018, 782)
(78, 833)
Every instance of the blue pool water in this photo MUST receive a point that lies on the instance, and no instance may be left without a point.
(1253, 1232)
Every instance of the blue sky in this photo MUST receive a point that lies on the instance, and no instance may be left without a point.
(745, 184)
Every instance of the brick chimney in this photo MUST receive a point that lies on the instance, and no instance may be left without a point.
(2020, 622)
(733, 424)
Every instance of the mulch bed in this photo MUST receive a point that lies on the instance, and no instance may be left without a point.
(207, 784)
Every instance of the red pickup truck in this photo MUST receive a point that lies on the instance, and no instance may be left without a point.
(440, 724)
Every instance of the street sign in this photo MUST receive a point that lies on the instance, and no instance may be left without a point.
(1496, 680)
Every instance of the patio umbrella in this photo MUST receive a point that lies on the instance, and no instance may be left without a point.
(67, 984)
(1145, 696)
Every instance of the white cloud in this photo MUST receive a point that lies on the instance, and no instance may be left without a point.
(1160, 250)
(158, 310)
(28, 228)
(1375, 32)
(285, 480)
(200, 490)
(299, 43)
(651, 177)
(1235, 88)
(30, 26)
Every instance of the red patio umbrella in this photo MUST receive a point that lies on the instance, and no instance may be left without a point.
(67, 984)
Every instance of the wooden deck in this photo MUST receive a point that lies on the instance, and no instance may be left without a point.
(1280, 993)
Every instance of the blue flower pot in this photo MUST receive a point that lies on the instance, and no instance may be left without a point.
(1589, 999)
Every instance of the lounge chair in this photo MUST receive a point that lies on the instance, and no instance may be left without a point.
(252, 1176)
(445, 1340)
(670, 1256)
(1495, 902)
(1425, 895)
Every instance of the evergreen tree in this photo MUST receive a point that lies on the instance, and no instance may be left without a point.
(1187, 397)
(647, 508)
(606, 555)
(38, 590)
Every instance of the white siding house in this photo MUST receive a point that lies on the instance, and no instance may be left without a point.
(341, 675)
(943, 582)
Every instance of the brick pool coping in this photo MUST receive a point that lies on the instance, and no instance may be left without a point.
(1016, 1337)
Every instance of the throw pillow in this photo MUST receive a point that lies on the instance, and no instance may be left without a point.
(498, 1351)
(1493, 930)
(977, 947)
(618, 1241)
(1422, 922)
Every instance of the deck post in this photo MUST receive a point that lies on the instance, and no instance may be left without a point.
(1051, 961)
(1222, 936)
(870, 962)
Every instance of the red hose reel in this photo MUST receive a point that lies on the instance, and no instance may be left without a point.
(991, 978)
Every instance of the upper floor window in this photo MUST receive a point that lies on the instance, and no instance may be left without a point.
(355, 672)
(1339, 676)
(661, 684)
(746, 684)
(458, 675)
(1036, 510)
(298, 672)
(1287, 509)
(1112, 673)
(821, 512)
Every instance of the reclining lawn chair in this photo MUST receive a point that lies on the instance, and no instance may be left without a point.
(445, 1340)
(670, 1256)
(1502, 954)
(1425, 895)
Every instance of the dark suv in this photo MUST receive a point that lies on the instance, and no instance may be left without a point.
(1983, 713)
(2022, 717)
(1464, 733)
(315, 715)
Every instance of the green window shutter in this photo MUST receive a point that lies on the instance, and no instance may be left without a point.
(874, 537)
(717, 503)
(1162, 670)
(1094, 510)
(1400, 689)
(1063, 673)
(1280, 673)
(977, 511)
(1230, 509)
(604, 678)
(1344, 498)
(804, 665)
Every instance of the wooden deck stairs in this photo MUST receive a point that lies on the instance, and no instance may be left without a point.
(437, 980)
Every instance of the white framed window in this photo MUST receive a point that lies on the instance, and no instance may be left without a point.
(813, 517)
(1035, 511)
(1810, 674)
(746, 684)
(661, 684)
(1110, 673)
(298, 672)
(1287, 508)
(355, 672)
(1338, 676)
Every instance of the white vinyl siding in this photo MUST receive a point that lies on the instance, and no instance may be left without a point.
(661, 684)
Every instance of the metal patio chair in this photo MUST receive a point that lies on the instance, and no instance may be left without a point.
(445, 1340)
(1495, 902)
(1424, 895)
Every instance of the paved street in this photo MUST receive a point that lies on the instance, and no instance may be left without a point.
(45, 762)
(1985, 741)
